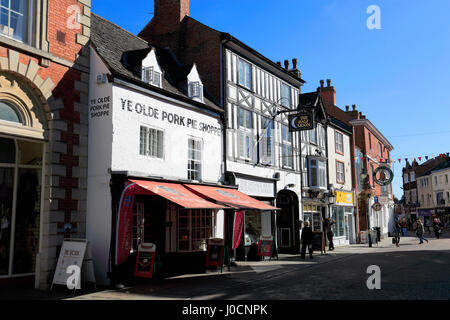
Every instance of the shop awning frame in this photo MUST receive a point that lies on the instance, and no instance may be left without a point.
(230, 197)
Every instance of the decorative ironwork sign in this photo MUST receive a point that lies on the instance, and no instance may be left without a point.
(383, 176)
(301, 121)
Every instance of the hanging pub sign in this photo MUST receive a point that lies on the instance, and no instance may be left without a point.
(377, 206)
(265, 246)
(383, 176)
(301, 121)
(145, 260)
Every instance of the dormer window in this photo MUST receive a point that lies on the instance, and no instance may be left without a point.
(196, 90)
(149, 75)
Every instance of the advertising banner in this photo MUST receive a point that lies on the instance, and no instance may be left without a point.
(238, 226)
(124, 224)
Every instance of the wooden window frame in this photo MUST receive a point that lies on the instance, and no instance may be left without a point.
(337, 175)
(335, 142)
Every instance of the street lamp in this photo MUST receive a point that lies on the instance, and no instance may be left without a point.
(364, 175)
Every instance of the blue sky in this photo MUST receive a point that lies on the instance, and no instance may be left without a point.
(397, 76)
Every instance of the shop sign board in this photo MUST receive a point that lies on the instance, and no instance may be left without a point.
(318, 241)
(265, 246)
(256, 188)
(214, 254)
(145, 260)
(344, 197)
(74, 252)
(383, 199)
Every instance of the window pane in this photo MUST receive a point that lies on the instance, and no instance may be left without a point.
(313, 176)
(20, 6)
(248, 76)
(18, 26)
(6, 201)
(8, 151)
(26, 242)
(8, 113)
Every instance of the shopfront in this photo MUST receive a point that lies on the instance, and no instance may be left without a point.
(23, 130)
(343, 215)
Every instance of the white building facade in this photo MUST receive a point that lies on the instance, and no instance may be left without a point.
(340, 179)
(262, 156)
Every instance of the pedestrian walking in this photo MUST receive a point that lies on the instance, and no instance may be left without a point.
(396, 233)
(306, 240)
(403, 224)
(327, 228)
(428, 224)
(420, 231)
(436, 227)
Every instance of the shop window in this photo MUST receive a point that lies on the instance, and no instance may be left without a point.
(19, 205)
(194, 159)
(194, 229)
(245, 74)
(15, 19)
(253, 227)
(312, 214)
(287, 147)
(338, 217)
(151, 142)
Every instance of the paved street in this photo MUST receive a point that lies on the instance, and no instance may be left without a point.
(411, 271)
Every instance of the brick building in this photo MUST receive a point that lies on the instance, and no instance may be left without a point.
(373, 149)
(44, 81)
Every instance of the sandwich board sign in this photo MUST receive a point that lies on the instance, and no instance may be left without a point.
(74, 263)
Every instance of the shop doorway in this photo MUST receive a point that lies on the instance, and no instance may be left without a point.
(288, 225)
(21, 188)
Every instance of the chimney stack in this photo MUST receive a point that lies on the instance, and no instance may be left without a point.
(286, 64)
(347, 108)
(354, 107)
(279, 63)
(328, 94)
(172, 12)
(294, 63)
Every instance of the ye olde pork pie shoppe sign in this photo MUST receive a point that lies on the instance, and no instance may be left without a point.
(166, 116)
(100, 107)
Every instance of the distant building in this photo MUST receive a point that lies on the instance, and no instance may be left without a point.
(433, 189)
(374, 149)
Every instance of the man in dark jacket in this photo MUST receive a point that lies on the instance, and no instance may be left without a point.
(327, 228)
(306, 240)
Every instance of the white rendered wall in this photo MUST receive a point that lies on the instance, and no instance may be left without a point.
(128, 118)
(98, 219)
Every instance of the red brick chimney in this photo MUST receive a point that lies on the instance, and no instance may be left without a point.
(328, 94)
(167, 17)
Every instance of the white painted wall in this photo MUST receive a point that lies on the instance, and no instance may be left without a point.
(333, 156)
(127, 122)
(98, 219)
(114, 141)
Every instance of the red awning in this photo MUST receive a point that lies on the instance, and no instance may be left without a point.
(178, 194)
(231, 197)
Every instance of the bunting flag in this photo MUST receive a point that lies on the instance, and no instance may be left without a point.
(420, 158)
(426, 157)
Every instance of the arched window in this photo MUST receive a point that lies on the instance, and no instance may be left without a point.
(9, 113)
